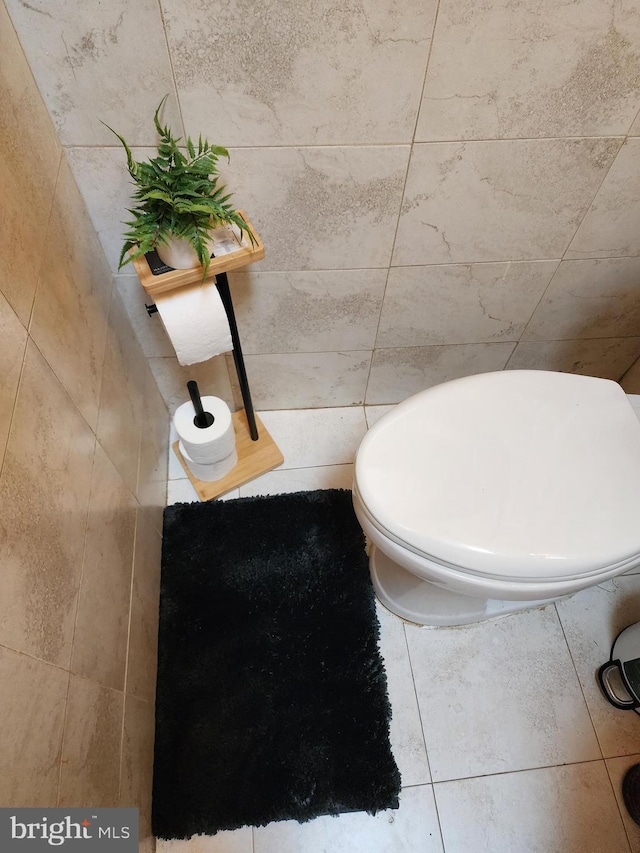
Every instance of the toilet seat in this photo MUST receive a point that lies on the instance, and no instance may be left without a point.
(521, 477)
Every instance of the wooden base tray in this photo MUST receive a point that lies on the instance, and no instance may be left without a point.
(254, 458)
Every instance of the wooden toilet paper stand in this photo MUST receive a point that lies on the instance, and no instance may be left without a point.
(257, 451)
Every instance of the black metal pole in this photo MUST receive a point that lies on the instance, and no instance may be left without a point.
(202, 419)
(222, 284)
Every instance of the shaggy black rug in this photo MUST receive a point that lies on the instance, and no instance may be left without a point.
(271, 699)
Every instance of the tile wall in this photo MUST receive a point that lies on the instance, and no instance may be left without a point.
(443, 187)
(83, 437)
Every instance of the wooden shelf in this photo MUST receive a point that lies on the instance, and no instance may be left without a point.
(254, 458)
(157, 284)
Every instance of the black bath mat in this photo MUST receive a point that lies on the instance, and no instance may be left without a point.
(271, 700)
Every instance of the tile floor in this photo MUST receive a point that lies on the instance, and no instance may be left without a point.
(502, 738)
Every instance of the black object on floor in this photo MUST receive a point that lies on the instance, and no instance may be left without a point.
(631, 791)
(271, 700)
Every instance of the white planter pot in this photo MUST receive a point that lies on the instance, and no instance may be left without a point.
(178, 254)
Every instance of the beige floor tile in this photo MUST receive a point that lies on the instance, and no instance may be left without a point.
(90, 773)
(152, 471)
(145, 602)
(136, 773)
(28, 182)
(591, 620)
(314, 437)
(102, 624)
(74, 294)
(569, 809)
(32, 704)
(407, 739)
(44, 493)
(300, 480)
(122, 396)
(13, 342)
(498, 696)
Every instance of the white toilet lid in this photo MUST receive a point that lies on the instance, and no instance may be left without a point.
(524, 474)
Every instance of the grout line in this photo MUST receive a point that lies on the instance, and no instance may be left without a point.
(401, 196)
(424, 740)
(63, 739)
(395, 144)
(27, 328)
(173, 72)
(575, 668)
(617, 802)
(522, 770)
(595, 195)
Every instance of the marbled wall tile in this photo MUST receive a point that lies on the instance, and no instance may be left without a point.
(460, 303)
(308, 380)
(154, 442)
(212, 377)
(136, 774)
(307, 311)
(32, 704)
(106, 187)
(635, 127)
(28, 169)
(504, 70)
(299, 73)
(612, 225)
(102, 622)
(104, 62)
(44, 492)
(320, 208)
(374, 413)
(399, 373)
(605, 357)
(630, 382)
(13, 342)
(148, 329)
(90, 774)
(589, 299)
(314, 208)
(122, 395)
(498, 200)
(145, 602)
(74, 293)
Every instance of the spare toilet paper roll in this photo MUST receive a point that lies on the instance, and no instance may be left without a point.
(210, 472)
(196, 322)
(206, 445)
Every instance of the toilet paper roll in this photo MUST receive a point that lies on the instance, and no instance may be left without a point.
(206, 445)
(196, 322)
(210, 473)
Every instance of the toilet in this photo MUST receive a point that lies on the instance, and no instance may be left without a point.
(499, 492)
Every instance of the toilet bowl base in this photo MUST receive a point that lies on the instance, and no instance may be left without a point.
(425, 603)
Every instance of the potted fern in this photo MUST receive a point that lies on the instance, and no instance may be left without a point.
(179, 201)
